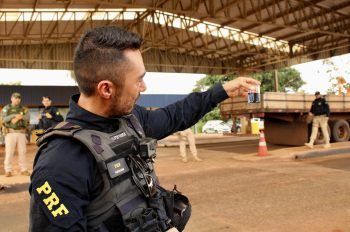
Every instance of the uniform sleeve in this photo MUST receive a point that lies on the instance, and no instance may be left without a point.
(180, 115)
(60, 187)
(327, 110)
(312, 110)
(6, 118)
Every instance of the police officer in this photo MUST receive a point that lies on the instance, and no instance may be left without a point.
(67, 177)
(16, 119)
(187, 136)
(50, 116)
(320, 112)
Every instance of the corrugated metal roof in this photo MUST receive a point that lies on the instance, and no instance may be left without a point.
(202, 36)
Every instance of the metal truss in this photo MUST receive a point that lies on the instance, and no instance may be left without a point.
(200, 36)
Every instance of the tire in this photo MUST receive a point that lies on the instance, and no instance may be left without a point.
(340, 131)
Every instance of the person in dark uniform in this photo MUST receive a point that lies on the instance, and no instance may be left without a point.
(109, 71)
(50, 116)
(320, 112)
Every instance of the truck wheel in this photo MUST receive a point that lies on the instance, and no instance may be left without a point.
(340, 131)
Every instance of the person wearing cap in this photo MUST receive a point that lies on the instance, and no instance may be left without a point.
(50, 115)
(15, 118)
(320, 112)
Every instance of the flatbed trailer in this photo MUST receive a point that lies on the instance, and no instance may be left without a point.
(286, 119)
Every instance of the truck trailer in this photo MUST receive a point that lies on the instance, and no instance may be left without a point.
(286, 116)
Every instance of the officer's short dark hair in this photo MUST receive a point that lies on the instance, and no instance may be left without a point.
(317, 93)
(47, 97)
(99, 56)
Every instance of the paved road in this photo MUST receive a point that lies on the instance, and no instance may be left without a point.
(341, 162)
(234, 190)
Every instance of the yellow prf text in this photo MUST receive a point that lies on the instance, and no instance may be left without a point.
(52, 201)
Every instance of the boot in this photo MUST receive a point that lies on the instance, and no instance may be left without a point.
(25, 173)
(8, 174)
(327, 145)
(309, 145)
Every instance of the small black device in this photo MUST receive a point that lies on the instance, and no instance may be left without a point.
(147, 148)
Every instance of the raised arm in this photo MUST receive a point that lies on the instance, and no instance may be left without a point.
(185, 113)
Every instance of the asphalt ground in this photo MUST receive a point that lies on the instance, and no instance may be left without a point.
(234, 189)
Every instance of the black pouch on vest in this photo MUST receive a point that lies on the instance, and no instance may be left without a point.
(178, 208)
(156, 203)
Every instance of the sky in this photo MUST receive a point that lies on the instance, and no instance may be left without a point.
(313, 73)
(316, 77)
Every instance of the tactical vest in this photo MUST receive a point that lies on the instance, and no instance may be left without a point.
(125, 160)
(20, 124)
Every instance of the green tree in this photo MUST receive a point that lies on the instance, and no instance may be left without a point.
(334, 70)
(210, 80)
(289, 79)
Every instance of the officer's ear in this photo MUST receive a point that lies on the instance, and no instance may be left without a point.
(105, 89)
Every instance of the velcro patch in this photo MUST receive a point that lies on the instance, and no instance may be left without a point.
(117, 168)
(51, 199)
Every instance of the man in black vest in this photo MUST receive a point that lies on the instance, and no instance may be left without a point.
(109, 71)
(320, 112)
(50, 116)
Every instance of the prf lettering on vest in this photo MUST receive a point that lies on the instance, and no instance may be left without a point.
(52, 200)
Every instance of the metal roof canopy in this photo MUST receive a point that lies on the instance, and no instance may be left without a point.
(198, 36)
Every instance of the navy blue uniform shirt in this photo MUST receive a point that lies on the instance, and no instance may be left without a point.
(65, 176)
(320, 107)
(45, 123)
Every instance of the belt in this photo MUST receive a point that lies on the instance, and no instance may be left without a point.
(10, 130)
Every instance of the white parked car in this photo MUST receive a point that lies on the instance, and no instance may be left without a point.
(216, 126)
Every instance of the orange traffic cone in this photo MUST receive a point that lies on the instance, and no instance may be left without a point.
(262, 145)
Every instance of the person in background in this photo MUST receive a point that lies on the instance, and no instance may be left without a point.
(15, 119)
(50, 115)
(187, 136)
(320, 112)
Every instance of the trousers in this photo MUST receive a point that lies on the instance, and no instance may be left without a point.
(319, 121)
(11, 141)
(184, 136)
